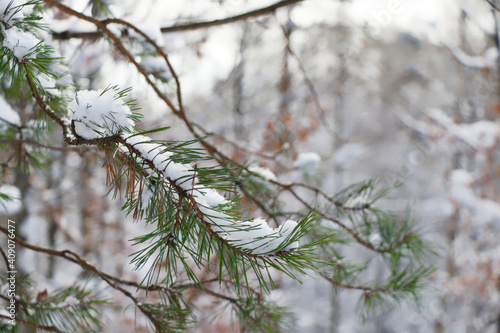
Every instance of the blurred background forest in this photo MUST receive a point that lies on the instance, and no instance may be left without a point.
(400, 90)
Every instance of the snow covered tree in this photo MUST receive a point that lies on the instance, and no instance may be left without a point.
(68, 141)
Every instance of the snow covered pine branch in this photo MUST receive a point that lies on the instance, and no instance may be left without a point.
(104, 113)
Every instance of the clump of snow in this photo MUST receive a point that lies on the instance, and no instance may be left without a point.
(146, 147)
(12, 205)
(182, 174)
(254, 235)
(100, 113)
(20, 42)
(307, 162)
(208, 197)
(7, 114)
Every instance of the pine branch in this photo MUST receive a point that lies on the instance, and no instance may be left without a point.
(73, 138)
(187, 226)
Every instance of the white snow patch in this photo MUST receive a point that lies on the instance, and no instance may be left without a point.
(209, 197)
(47, 82)
(21, 43)
(99, 114)
(182, 174)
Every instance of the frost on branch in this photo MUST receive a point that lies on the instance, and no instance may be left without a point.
(100, 113)
(255, 236)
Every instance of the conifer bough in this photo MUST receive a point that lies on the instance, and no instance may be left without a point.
(103, 113)
(193, 209)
